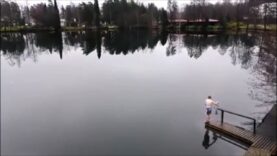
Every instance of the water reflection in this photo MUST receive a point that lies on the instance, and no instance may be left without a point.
(49, 41)
(129, 42)
(152, 105)
(241, 46)
(206, 141)
(86, 40)
(263, 84)
(12, 44)
(254, 52)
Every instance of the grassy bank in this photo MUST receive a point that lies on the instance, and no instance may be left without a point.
(38, 29)
(232, 26)
(243, 26)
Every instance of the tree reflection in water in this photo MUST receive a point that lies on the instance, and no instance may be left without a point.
(254, 52)
(12, 47)
(264, 70)
(50, 41)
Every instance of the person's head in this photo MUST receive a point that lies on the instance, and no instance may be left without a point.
(209, 97)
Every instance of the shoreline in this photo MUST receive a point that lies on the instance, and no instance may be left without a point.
(268, 125)
(170, 29)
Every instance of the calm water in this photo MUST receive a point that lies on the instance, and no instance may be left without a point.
(127, 93)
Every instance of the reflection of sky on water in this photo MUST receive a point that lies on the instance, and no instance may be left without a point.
(139, 102)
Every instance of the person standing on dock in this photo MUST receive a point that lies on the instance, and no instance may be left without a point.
(209, 103)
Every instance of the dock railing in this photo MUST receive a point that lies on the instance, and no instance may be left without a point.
(226, 111)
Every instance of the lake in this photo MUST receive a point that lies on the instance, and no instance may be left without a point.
(131, 92)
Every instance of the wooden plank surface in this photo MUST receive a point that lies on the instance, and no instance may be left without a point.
(259, 145)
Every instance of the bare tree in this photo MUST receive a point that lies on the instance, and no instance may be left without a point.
(265, 12)
(172, 9)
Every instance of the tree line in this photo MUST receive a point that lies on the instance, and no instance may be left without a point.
(246, 11)
(130, 14)
(118, 13)
(41, 14)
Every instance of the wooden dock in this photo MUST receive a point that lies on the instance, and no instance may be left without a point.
(259, 145)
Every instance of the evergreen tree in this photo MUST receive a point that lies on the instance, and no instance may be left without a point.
(97, 13)
(57, 24)
(163, 18)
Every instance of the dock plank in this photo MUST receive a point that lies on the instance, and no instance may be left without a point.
(259, 145)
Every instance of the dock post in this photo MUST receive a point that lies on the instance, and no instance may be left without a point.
(254, 126)
(222, 116)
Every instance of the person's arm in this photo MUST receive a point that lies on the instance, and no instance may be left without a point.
(215, 103)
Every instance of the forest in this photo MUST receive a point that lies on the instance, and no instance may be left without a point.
(123, 14)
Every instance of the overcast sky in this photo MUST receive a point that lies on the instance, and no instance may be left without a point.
(158, 3)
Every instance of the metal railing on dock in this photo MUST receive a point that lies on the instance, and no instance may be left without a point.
(222, 117)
